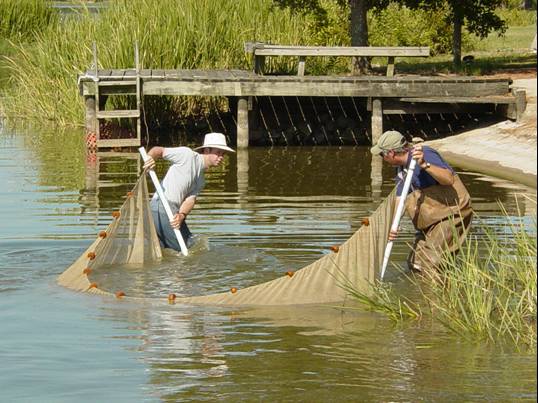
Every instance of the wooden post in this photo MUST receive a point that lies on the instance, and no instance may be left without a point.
(390, 67)
(242, 122)
(514, 110)
(377, 120)
(242, 173)
(138, 95)
(376, 177)
(300, 68)
(91, 114)
(521, 101)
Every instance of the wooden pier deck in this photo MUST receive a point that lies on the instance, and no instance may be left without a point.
(243, 84)
(247, 83)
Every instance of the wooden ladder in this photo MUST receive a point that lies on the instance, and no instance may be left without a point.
(123, 87)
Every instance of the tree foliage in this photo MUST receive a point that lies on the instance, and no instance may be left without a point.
(478, 16)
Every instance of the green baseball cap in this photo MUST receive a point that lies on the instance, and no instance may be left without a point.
(390, 140)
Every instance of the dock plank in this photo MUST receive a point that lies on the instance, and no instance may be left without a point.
(110, 143)
(473, 100)
(222, 82)
(158, 74)
(117, 74)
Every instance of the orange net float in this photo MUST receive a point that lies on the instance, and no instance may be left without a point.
(335, 248)
(290, 273)
(365, 221)
(233, 290)
(116, 214)
(102, 234)
(171, 298)
(120, 294)
(91, 255)
(92, 285)
(86, 271)
(129, 194)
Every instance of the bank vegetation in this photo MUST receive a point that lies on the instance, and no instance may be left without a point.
(42, 52)
(485, 292)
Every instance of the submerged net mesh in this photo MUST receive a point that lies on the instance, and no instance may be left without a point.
(131, 238)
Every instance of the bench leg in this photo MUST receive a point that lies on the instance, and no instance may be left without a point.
(300, 68)
(259, 64)
(390, 67)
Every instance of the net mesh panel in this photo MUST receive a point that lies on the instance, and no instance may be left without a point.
(131, 238)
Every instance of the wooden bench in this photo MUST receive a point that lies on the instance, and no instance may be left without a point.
(261, 50)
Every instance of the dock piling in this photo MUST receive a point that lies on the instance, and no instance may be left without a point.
(377, 120)
(242, 122)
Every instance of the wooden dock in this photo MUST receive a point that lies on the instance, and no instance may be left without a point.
(400, 94)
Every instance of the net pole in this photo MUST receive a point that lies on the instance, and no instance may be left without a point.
(398, 215)
(164, 201)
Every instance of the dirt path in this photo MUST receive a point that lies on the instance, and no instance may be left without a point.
(506, 150)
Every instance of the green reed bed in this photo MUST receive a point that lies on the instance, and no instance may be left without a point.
(486, 292)
(21, 19)
(186, 34)
(489, 289)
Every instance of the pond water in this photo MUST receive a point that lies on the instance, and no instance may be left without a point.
(265, 211)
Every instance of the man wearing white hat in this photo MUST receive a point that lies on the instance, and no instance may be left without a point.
(182, 183)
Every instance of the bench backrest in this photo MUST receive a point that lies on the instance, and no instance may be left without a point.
(260, 50)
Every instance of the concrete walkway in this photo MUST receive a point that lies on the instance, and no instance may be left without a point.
(506, 150)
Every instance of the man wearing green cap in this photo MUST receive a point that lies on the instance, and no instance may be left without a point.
(438, 203)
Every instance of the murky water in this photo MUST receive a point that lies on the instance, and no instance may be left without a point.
(264, 212)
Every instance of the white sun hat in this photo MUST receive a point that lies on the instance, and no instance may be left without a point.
(215, 140)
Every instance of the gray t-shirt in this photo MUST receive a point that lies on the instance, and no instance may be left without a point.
(185, 177)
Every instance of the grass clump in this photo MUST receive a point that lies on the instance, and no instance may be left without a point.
(382, 298)
(486, 292)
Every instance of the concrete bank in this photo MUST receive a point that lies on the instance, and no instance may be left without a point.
(506, 150)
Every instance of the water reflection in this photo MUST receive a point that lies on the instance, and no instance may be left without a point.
(318, 354)
(265, 211)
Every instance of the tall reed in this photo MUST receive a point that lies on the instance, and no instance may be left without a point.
(179, 34)
(487, 291)
(21, 19)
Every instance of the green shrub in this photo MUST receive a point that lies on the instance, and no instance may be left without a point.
(517, 17)
(401, 26)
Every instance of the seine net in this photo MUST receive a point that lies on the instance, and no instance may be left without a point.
(131, 239)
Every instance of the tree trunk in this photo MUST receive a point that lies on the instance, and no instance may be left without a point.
(456, 38)
(359, 34)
